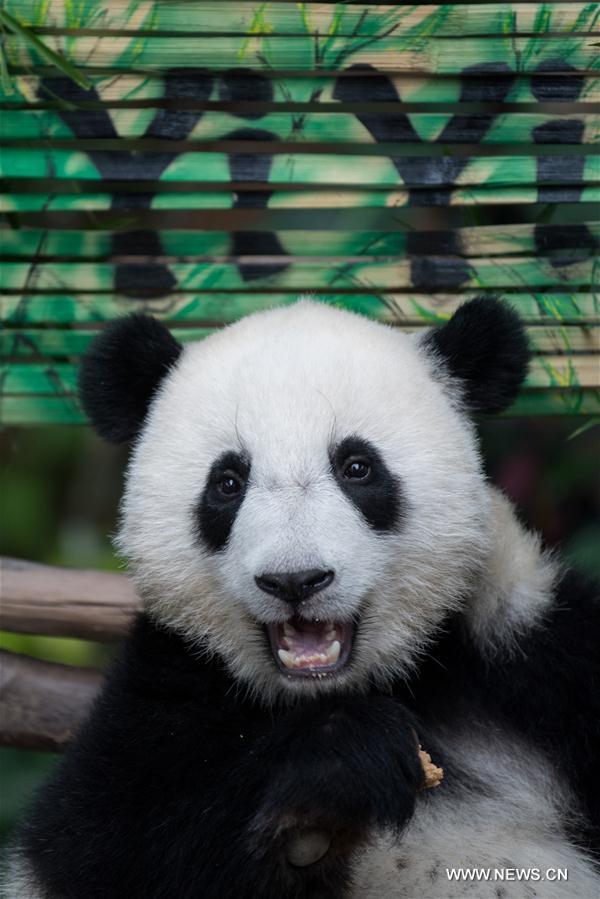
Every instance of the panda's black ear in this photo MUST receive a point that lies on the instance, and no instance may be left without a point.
(122, 370)
(485, 347)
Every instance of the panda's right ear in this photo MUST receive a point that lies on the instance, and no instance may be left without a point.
(121, 372)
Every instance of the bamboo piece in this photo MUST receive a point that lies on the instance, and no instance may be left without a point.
(190, 246)
(519, 173)
(326, 127)
(123, 89)
(358, 19)
(410, 52)
(498, 272)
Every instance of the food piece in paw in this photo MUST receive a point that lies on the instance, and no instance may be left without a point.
(433, 774)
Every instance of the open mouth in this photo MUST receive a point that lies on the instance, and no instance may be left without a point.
(305, 648)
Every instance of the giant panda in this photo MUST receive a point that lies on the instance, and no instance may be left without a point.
(328, 581)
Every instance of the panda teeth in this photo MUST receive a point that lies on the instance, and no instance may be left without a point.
(288, 629)
(291, 660)
(287, 658)
(333, 653)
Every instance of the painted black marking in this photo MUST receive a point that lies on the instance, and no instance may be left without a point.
(151, 279)
(253, 167)
(154, 280)
(555, 80)
(489, 82)
(246, 86)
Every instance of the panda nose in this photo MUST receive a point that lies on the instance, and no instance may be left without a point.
(294, 587)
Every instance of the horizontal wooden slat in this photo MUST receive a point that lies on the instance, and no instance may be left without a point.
(355, 20)
(317, 89)
(490, 240)
(325, 209)
(312, 202)
(29, 342)
(37, 410)
(329, 127)
(499, 272)
(306, 168)
(414, 51)
(205, 307)
(287, 221)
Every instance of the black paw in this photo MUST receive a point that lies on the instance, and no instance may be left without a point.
(336, 771)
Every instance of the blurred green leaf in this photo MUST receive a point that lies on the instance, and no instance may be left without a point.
(55, 59)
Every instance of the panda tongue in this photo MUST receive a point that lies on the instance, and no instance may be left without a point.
(309, 636)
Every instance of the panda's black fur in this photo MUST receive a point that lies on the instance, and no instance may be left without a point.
(176, 785)
(183, 784)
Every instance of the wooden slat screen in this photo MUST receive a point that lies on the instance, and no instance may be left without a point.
(229, 156)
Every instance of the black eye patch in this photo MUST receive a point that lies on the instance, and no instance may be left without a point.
(366, 480)
(221, 499)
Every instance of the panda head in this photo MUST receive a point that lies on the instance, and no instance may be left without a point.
(305, 497)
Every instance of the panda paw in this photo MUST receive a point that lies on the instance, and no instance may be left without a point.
(334, 771)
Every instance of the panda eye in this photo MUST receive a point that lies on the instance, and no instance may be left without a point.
(230, 484)
(356, 470)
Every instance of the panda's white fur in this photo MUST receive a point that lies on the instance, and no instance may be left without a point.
(515, 585)
(516, 822)
(283, 385)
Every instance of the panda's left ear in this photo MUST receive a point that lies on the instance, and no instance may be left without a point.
(122, 371)
(485, 348)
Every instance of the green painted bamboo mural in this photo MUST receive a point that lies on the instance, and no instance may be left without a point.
(206, 159)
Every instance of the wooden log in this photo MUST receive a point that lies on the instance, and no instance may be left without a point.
(64, 602)
(42, 703)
